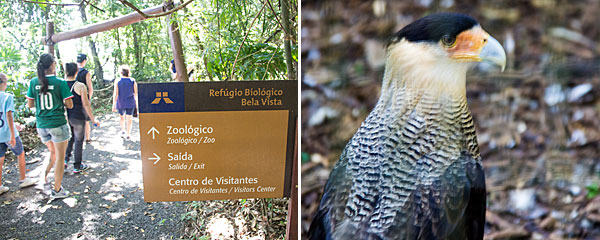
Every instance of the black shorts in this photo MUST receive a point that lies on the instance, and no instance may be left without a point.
(128, 111)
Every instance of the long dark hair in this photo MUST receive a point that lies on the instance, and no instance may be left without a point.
(43, 64)
(71, 69)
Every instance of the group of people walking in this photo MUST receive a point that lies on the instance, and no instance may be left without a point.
(63, 134)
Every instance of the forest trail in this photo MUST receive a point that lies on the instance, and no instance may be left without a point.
(106, 201)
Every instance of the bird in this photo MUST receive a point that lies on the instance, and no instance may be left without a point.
(413, 169)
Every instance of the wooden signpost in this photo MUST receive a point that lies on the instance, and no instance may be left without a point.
(217, 140)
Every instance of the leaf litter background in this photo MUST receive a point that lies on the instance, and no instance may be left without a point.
(538, 123)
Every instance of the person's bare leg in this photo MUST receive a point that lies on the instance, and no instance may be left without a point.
(88, 130)
(59, 168)
(52, 159)
(122, 122)
(22, 169)
(1, 164)
(129, 120)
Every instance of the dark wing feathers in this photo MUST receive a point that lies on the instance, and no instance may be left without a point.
(452, 207)
(335, 196)
(320, 226)
(475, 212)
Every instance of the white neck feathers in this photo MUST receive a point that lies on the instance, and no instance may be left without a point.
(425, 68)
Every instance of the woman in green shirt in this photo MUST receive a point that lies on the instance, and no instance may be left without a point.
(50, 95)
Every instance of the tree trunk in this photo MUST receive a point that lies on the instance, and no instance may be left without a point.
(97, 66)
(60, 63)
(50, 32)
(120, 55)
(177, 47)
(136, 49)
(205, 59)
(286, 41)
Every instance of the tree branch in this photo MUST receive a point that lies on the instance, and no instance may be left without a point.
(17, 39)
(94, 6)
(272, 36)
(65, 4)
(49, 3)
(246, 36)
(276, 18)
(269, 63)
(146, 16)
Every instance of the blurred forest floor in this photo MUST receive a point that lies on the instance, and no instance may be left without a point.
(538, 123)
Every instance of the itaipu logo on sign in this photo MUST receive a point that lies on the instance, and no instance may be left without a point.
(162, 96)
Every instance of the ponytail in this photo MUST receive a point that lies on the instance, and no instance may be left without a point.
(43, 64)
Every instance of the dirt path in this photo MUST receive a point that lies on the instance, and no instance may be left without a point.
(106, 201)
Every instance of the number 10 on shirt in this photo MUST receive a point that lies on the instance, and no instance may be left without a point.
(46, 101)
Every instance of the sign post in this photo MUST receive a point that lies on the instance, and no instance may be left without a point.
(217, 140)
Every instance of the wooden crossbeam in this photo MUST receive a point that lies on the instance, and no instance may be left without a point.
(101, 26)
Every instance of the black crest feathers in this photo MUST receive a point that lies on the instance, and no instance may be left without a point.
(433, 27)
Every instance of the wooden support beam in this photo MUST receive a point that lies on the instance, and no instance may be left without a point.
(176, 46)
(102, 26)
(292, 217)
(50, 32)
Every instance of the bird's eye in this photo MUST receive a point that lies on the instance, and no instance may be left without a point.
(448, 40)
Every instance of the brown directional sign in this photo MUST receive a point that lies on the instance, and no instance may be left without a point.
(223, 140)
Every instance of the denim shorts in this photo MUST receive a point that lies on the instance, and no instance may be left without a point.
(17, 149)
(128, 111)
(57, 134)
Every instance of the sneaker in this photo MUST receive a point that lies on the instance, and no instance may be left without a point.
(66, 165)
(3, 189)
(128, 138)
(62, 193)
(27, 182)
(82, 168)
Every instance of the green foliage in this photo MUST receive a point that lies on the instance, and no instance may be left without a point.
(593, 190)
(190, 216)
(19, 90)
(12, 61)
(255, 62)
(217, 29)
(212, 32)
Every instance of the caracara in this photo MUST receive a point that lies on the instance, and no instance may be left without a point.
(413, 168)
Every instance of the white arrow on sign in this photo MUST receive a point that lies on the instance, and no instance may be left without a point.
(153, 131)
(157, 158)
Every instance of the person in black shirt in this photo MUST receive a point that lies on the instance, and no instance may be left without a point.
(77, 118)
(85, 77)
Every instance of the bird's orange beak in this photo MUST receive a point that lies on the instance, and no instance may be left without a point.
(476, 45)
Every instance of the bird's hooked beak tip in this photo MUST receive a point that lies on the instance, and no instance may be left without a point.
(493, 52)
